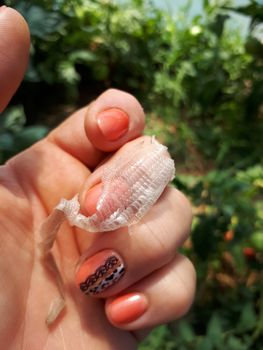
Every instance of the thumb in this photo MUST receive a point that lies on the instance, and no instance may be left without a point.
(14, 51)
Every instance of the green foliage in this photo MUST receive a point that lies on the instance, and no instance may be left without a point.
(200, 83)
(14, 137)
(201, 76)
(226, 248)
(226, 201)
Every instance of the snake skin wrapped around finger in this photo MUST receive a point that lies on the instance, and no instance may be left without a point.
(131, 185)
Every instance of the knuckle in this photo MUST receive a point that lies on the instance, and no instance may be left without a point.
(162, 248)
(187, 276)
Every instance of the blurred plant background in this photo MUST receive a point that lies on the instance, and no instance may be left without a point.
(200, 80)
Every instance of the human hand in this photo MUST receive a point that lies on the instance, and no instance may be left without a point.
(33, 182)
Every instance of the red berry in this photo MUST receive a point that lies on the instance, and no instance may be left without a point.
(249, 252)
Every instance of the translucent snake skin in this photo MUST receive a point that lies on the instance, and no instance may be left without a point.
(131, 185)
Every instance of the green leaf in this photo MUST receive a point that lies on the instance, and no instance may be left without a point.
(156, 340)
(205, 344)
(41, 22)
(186, 332)
(234, 343)
(257, 240)
(214, 330)
(248, 319)
(84, 56)
(6, 142)
(67, 72)
(13, 119)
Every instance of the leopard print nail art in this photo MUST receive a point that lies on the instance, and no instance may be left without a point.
(105, 276)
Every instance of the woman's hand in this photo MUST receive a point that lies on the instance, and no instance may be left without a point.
(158, 284)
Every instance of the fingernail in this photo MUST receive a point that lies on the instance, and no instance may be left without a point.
(99, 272)
(91, 199)
(127, 308)
(113, 123)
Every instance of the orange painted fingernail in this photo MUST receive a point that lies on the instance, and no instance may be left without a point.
(99, 272)
(127, 308)
(91, 199)
(113, 123)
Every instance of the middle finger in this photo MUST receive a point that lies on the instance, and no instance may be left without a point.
(118, 259)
